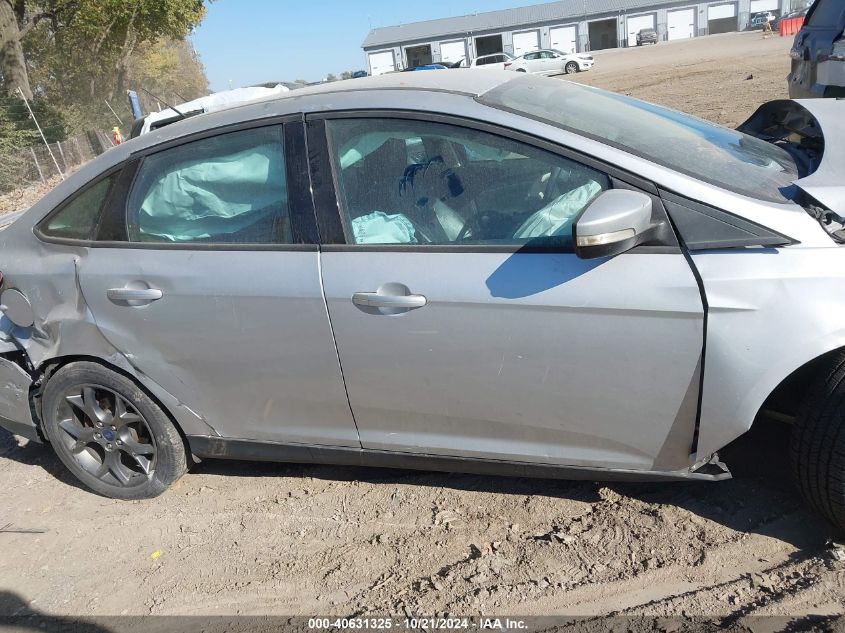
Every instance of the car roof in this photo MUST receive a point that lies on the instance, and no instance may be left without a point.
(461, 81)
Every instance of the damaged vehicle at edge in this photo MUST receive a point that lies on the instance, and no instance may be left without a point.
(495, 274)
(818, 53)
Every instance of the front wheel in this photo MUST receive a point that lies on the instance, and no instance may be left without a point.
(818, 445)
(521, 70)
(571, 68)
(112, 436)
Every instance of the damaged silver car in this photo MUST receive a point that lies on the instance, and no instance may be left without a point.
(475, 272)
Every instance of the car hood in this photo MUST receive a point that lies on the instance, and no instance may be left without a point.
(813, 131)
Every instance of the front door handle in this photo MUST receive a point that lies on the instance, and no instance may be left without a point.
(399, 302)
(134, 294)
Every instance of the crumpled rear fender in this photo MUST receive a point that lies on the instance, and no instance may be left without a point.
(65, 329)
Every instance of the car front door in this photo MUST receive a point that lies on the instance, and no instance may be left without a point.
(206, 278)
(465, 324)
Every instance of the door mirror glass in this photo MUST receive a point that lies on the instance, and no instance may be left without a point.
(615, 222)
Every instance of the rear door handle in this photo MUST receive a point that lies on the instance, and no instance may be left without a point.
(134, 294)
(401, 302)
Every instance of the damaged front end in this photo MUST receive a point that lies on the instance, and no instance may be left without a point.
(813, 132)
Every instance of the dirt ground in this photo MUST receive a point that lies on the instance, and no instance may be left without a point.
(722, 78)
(241, 538)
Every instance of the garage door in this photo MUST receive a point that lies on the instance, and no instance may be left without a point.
(451, 52)
(637, 23)
(526, 42)
(764, 5)
(721, 18)
(381, 63)
(681, 24)
(564, 38)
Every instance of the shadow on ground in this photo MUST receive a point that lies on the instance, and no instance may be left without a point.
(756, 500)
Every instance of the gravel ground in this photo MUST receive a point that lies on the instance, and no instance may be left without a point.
(240, 538)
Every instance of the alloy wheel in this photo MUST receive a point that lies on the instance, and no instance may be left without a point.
(106, 435)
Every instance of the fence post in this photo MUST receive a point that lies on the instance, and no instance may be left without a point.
(37, 166)
(62, 154)
(43, 138)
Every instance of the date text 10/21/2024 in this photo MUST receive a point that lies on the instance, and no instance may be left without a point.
(420, 623)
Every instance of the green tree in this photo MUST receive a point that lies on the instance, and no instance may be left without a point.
(346, 74)
(18, 132)
(91, 41)
(169, 69)
(330, 77)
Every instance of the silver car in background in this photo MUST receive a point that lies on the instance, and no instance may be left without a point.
(463, 271)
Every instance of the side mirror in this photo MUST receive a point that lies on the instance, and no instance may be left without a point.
(615, 222)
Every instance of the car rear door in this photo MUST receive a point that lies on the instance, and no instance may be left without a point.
(466, 325)
(533, 63)
(205, 276)
(552, 63)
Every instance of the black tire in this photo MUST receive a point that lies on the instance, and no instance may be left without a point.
(521, 70)
(818, 444)
(92, 413)
(571, 68)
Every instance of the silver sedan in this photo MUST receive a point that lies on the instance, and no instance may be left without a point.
(461, 271)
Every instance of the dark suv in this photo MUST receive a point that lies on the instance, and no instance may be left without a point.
(818, 54)
(646, 36)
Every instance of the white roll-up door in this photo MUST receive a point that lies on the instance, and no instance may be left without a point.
(764, 5)
(381, 63)
(525, 42)
(681, 24)
(451, 52)
(721, 11)
(564, 38)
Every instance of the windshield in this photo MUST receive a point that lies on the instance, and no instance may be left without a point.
(703, 150)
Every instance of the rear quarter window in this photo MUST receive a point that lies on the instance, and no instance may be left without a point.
(78, 218)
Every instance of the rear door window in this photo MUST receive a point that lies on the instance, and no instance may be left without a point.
(227, 189)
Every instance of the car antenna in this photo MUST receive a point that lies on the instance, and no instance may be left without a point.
(157, 98)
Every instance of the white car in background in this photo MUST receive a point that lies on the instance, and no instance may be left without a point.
(210, 103)
(497, 61)
(551, 62)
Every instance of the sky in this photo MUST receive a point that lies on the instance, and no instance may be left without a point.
(254, 41)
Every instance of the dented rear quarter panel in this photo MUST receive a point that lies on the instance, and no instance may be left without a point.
(64, 325)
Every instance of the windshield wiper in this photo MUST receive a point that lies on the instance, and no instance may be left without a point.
(831, 222)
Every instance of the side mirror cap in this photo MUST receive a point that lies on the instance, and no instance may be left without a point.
(615, 222)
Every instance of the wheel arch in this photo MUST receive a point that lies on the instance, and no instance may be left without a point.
(784, 401)
(184, 419)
